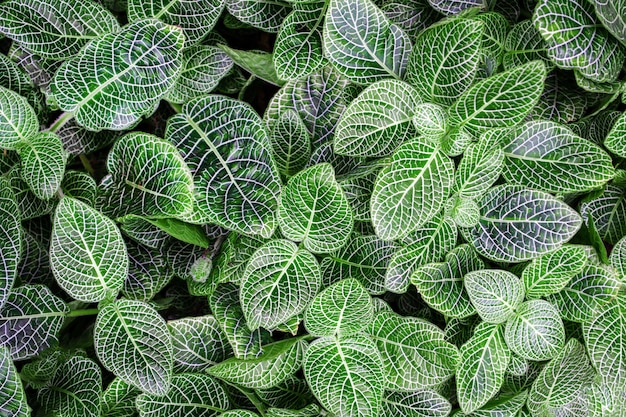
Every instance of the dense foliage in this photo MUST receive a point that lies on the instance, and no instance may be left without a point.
(274, 208)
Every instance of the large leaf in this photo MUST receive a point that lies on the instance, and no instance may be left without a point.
(608, 212)
(343, 309)
(452, 7)
(550, 273)
(518, 224)
(226, 145)
(10, 239)
(18, 120)
(278, 283)
(314, 210)
(31, 320)
(420, 403)
(501, 100)
(132, 341)
(190, 395)
(55, 29)
(362, 43)
(444, 60)
(142, 61)
(345, 375)
(414, 352)
(548, 156)
(411, 190)
(279, 361)
(12, 397)
(196, 17)
(495, 293)
(576, 40)
(480, 373)
(75, 389)
(378, 120)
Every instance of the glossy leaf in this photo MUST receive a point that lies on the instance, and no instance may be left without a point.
(118, 400)
(523, 44)
(263, 14)
(495, 293)
(479, 169)
(43, 163)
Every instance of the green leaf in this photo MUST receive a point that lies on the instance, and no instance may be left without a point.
(12, 396)
(43, 163)
(523, 44)
(495, 293)
(547, 156)
(345, 375)
(298, 47)
(293, 393)
(576, 40)
(589, 289)
(561, 101)
(266, 15)
(343, 309)
(29, 206)
(258, 63)
(143, 59)
(480, 168)
(79, 185)
(75, 389)
(535, 221)
(420, 403)
(444, 60)
(561, 380)
(279, 282)
(495, 29)
(30, 320)
(10, 239)
(611, 14)
(378, 120)
(87, 253)
(503, 405)
(362, 43)
(501, 100)
(411, 190)
(150, 177)
(291, 143)
(464, 211)
(143, 232)
(550, 273)
(78, 140)
(615, 141)
(452, 7)
(536, 331)
(118, 400)
(132, 341)
(196, 18)
(314, 210)
(233, 258)
(618, 258)
(480, 373)
(55, 29)
(185, 232)
(203, 68)
(414, 352)
(278, 361)
(18, 120)
(148, 272)
(608, 211)
(441, 284)
(430, 120)
(236, 186)
(190, 395)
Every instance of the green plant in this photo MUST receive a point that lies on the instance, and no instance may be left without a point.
(429, 219)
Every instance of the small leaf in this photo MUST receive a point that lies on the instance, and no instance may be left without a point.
(278, 361)
(611, 14)
(430, 120)
(232, 261)
(12, 396)
(420, 403)
(550, 273)
(185, 232)
(10, 239)
(479, 169)
(198, 343)
(18, 120)
(43, 163)
(79, 185)
(452, 7)
(279, 282)
(31, 320)
(291, 143)
(608, 211)
(523, 44)
(345, 308)
(132, 341)
(496, 294)
(615, 141)
(258, 63)
(118, 400)
(362, 43)
(266, 15)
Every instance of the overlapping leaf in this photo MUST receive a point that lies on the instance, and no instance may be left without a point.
(495, 293)
(608, 211)
(18, 120)
(118, 400)
(266, 15)
(420, 403)
(12, 396)
(10, 239)
(148, 272)
(550, 273)
(291, 143)
(43, 163)
(480, 167)
(452, 7)
(615, 141)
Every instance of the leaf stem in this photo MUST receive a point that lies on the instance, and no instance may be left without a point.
(61, 121)
(87, 165)
(83, 312)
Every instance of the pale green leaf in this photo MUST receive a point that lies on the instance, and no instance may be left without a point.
(464, 211)
(519, 224)
(411, 190)
(235, 252)
(31, 320)
(148, 272)
(279, 282)
(55, 29)
(444, 60)
(378, 120)
(550, 273)
(414, 352)
(12, 397)
(495, 293)
(518, 366)
(343, 309)
(132, 341)
(547, 156)
(480, 168)
(75, 389)
(278, 361)
(536, 331)
(441, 284)
(420, 403)
(346, 375)
(143, 60)
(501, 100)
(430, 120)
(480, 373)
(10, 239)
(43, 163)
(191, 395)
(615, 141)
(236, 186)
(504, 405)
(608, 211)
(18, 120)
(362, 43)
(314, 210)
(259, 64)
(118, 400)
(576, 40)
(266, 15)
(87, 253)
(291, 143)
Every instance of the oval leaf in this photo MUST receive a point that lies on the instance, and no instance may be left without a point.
(496, 294)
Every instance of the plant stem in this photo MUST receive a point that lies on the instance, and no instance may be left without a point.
(87, 165)
(80, 313)
(61, 121)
